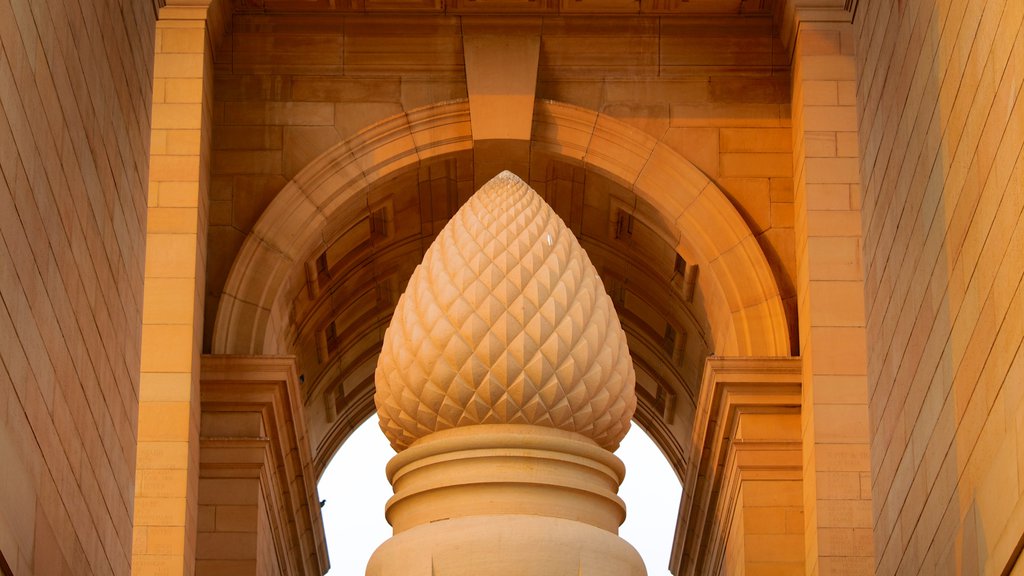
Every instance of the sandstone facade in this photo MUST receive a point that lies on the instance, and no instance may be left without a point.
(210, 209)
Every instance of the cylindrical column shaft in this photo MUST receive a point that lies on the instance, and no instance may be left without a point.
(505, 499)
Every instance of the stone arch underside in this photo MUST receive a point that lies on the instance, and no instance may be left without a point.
(741, 299)
(744, 306)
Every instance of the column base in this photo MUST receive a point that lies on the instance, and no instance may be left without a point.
(506, 545)
(505, 500)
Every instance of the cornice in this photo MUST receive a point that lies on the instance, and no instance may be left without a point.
(792, 14)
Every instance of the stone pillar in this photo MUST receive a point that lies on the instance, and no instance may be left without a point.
(230, 498)
(505, 384)
(742, 512)
(830, 289)
(168, 445)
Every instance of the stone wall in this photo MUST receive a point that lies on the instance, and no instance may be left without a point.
(75, 93)
(941, 130)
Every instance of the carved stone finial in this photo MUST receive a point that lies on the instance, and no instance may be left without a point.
(505, 322)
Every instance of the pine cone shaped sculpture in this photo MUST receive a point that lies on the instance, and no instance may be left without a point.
(505, 322)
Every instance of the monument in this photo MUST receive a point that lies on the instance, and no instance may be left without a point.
(807, 214)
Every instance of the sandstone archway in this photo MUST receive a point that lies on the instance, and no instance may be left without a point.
(272, 301)
(743, 302)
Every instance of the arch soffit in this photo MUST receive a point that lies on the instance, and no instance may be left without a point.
(743, 302)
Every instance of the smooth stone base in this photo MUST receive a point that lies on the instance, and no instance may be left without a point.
(506, 545)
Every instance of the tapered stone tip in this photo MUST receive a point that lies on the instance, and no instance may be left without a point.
(505, 322)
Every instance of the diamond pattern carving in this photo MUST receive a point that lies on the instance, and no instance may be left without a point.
(505, 322)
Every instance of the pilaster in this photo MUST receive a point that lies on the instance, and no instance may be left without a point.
(742, 511)
(168, 438)
(258, 507)
(830, 293)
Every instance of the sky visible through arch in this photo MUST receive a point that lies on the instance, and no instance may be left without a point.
(356, 489)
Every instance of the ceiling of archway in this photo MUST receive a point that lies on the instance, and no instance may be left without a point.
(281, 103)
(739, 7)
(337, 324)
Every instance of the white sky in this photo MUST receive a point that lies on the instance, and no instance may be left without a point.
(356, 489)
